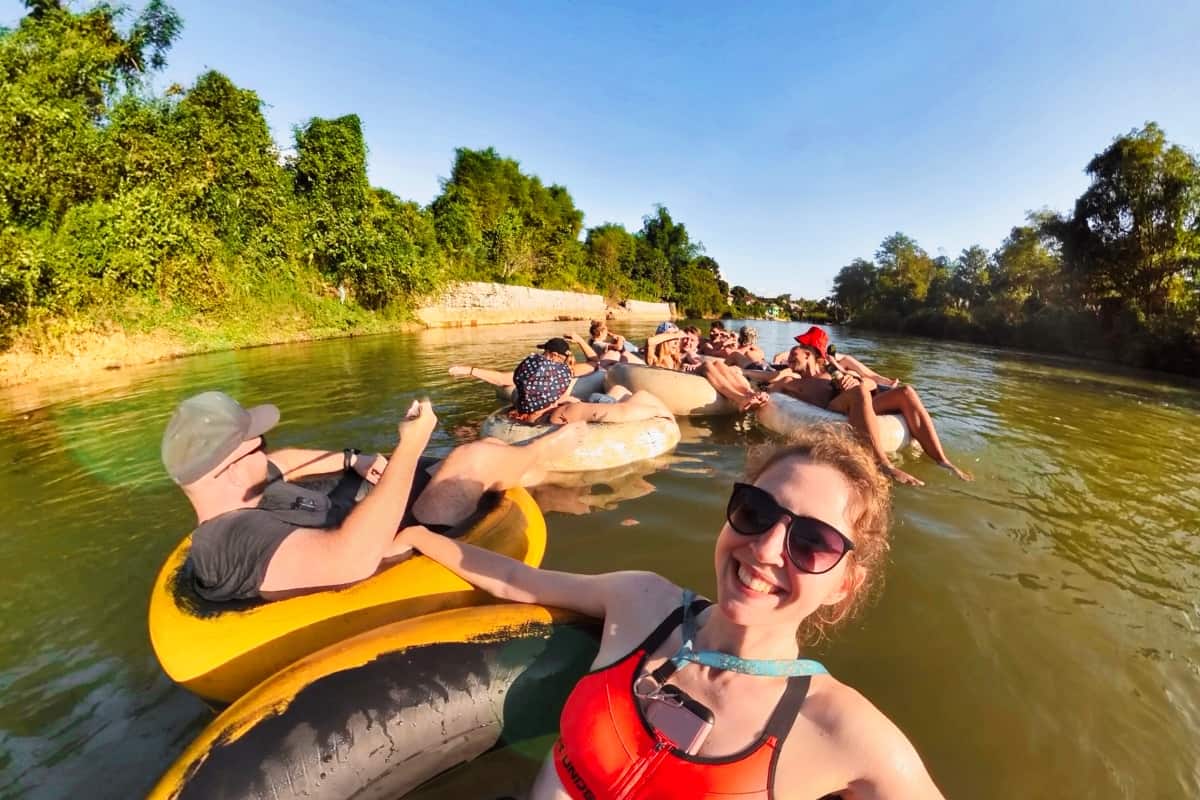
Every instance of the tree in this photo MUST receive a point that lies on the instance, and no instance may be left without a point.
(854, 287)
(1137, 226)
(496, 222)
(904, 272)
(970, 277)
(60, 73)
(1027, 271)
(611, 259)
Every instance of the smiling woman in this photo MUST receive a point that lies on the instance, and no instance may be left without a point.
(804, 543)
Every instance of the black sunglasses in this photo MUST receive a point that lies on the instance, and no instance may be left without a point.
(812, 545)
(262, 446)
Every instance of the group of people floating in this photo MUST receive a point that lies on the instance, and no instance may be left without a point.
(736, 367)
(687, 698)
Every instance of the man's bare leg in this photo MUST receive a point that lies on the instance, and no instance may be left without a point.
(460, 480)
(907, 402)
(633, 407)
(731, 384)
(856, 405)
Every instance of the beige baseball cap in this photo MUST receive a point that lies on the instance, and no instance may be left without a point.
(205, 429)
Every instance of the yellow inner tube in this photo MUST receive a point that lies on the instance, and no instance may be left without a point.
(220, 650)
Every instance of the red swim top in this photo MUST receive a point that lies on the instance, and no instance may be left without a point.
(608, 751)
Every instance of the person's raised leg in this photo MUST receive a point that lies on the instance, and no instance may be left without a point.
(907, 402)
(856, 405)
(731, 384)
(489, 465)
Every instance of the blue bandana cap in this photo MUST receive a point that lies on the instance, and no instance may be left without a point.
(665, 327)
(540, 383)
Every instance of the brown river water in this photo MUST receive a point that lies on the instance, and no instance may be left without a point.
(1038, 637)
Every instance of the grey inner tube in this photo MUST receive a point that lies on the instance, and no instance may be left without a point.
(382, 729)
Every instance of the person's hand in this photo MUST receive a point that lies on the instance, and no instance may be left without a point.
(618, 341)
(370, 467)
(846, 381)
(418, 422)
(459, 371)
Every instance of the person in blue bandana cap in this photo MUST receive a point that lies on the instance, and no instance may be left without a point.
(542, 396)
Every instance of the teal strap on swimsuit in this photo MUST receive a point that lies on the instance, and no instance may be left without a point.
(775, 668)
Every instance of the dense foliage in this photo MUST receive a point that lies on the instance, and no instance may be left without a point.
(118, 204)
(112, 198)
(1117, 278)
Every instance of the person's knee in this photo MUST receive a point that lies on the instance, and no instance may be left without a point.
(909, 394)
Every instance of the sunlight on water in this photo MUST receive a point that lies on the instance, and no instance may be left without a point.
(1038, 635)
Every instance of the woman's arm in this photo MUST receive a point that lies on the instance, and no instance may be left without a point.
(658, 339)
(891, 767)
(491, 376)
(588, 352)
(509, 579)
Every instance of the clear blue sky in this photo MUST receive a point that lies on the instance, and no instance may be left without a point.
(790, 138)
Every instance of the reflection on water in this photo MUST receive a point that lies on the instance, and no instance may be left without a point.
(1038, 634)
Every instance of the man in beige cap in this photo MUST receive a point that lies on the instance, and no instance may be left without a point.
(261, 535)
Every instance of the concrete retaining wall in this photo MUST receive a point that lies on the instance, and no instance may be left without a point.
(473, 303)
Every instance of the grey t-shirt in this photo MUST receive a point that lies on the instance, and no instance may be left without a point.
(230, 553)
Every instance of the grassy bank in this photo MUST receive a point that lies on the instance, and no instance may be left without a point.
(142, 332)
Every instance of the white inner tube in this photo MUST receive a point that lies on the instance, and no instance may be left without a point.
(606, 444)
(687, 395)
(784, 414)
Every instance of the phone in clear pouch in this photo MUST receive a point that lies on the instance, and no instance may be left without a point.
(684, 721)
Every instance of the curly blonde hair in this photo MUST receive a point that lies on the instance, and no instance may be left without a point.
(869, 513)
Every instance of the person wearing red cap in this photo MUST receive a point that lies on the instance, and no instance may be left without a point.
(861, 399)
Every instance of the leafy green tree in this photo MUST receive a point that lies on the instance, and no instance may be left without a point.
(652, 272)
(1027, 271)
(59, 74)
(1137, 226)
(904, 272)
(611, 259)
(970, 278)
(497, 222)
(669, 237)
(855, 287)
(939, 297)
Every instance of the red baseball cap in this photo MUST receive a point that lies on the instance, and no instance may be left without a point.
(815, 338)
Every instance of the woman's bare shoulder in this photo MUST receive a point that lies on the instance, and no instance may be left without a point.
(878, 759)
(639, 601)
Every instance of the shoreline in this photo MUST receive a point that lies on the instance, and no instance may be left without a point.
(86, 350)
(88, 354)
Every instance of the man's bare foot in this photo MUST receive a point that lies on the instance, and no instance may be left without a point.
(962, 474)
(900, 476)
(459, 371)
(757, 400)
